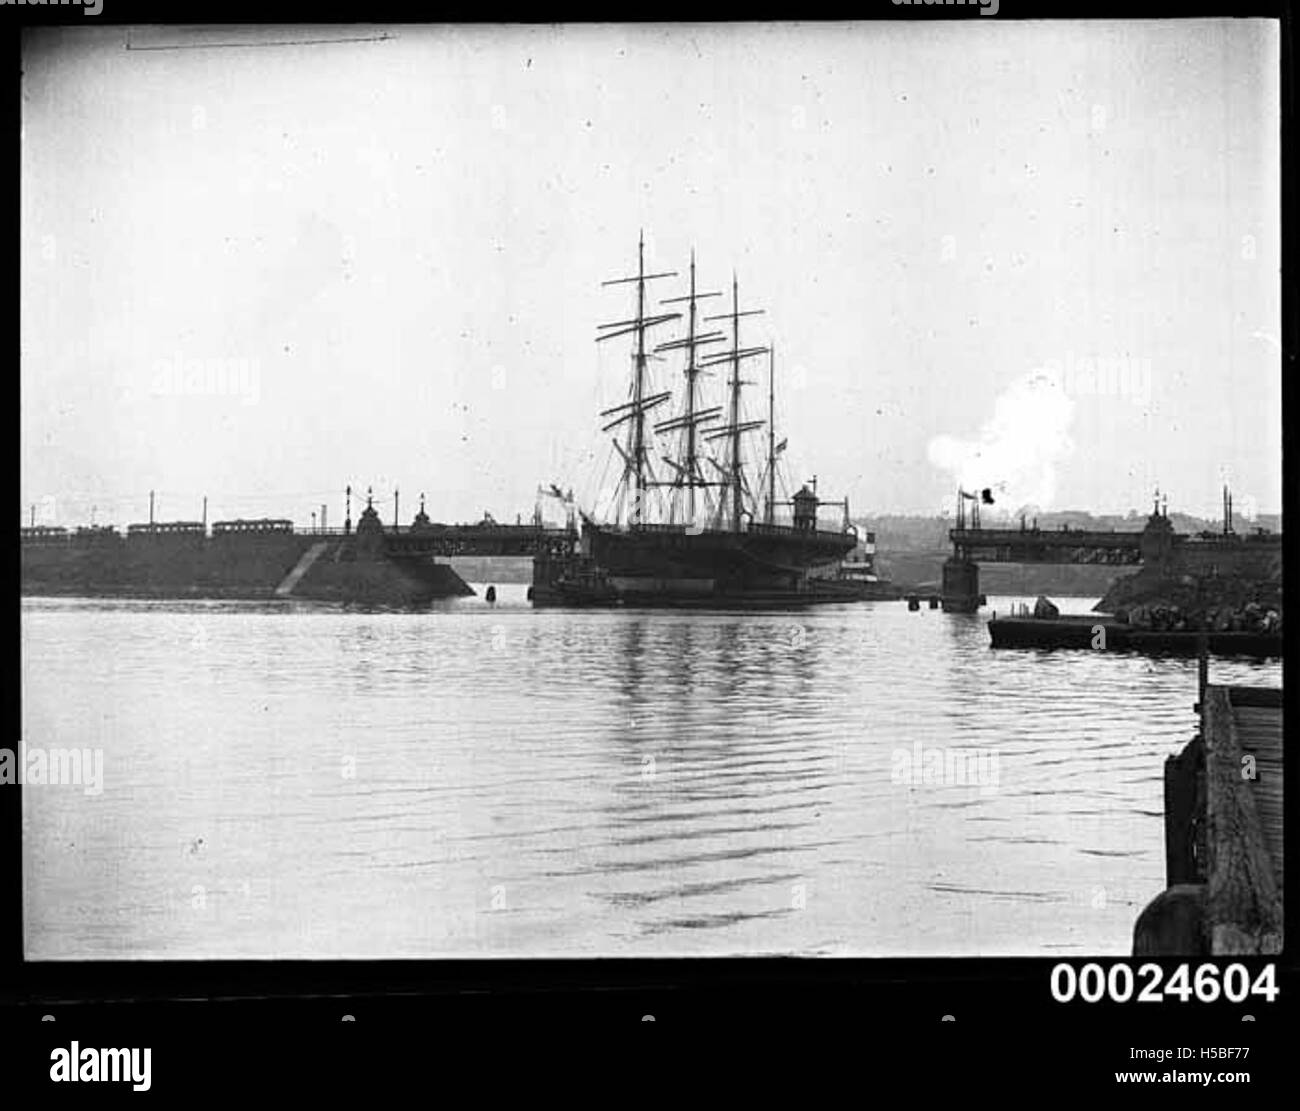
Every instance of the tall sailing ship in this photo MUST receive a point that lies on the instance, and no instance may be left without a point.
(688, 526)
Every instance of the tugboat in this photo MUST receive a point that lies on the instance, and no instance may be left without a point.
(710, 544)
(859, 571)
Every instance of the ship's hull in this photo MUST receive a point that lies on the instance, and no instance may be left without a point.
(871, 590)
(665, 567)
(822, 593)
(247, 567)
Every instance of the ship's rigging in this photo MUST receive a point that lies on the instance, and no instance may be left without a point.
(720, 497)
(688, 474)
(637, 474)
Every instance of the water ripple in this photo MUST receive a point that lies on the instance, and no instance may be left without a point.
(498, 780)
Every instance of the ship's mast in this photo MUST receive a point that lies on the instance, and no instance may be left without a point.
(771, 437)
(638, 422)
(692, 372)
(634, 457)
(688, 473)
(735, 405)
(734, 427)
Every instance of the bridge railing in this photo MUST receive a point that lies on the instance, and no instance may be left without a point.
(512, 533)
(1063, 537)
(51, 536)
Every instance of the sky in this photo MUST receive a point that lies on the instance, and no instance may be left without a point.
(1039, 257)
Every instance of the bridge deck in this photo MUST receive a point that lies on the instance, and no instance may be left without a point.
(480, 540)
(1064, 545)
(1099, 537)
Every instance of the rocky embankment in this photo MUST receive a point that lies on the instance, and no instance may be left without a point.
(1150, 600)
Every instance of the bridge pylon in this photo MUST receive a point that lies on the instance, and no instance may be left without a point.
(961, 584)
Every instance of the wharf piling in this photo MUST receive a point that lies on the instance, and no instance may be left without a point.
(1223, 832)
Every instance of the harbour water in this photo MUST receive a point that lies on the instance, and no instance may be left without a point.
(299, 781)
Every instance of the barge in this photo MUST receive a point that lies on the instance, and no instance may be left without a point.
(1098, 632)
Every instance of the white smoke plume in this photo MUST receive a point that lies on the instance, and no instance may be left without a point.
(1018, 449)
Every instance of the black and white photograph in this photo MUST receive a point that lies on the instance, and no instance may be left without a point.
(632, 490)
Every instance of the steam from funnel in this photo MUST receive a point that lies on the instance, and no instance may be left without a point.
(1019, 447)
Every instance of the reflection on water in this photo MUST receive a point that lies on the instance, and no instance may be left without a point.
(304, 781)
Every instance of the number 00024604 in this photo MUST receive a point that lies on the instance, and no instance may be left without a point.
(1151, 983)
